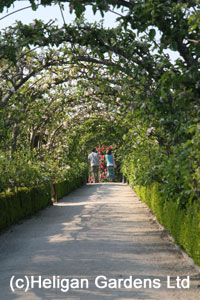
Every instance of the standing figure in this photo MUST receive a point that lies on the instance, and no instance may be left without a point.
(94, 162)
(110, 164)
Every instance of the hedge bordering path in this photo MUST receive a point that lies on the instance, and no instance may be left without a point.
(183, 224)
(99, 229)
(26, 202)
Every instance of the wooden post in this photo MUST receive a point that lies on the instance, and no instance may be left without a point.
(54, 195)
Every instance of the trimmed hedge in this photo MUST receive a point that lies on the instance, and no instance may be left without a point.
(15, 206)
(183, 225)
(65, 187)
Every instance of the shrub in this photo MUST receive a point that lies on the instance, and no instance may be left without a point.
(25, 202)
(183, 224)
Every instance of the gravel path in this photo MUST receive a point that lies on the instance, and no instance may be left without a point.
(99, 242)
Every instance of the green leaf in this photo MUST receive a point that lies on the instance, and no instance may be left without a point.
(174, 46)
(94, 8)
(152, 34)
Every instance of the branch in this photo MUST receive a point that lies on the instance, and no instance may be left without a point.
(15, 12)
(194, 41)
(103, 62)
(124, 3)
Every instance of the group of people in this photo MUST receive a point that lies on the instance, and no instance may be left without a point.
(94, 162)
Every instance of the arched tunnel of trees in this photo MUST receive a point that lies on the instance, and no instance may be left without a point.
(67, 89)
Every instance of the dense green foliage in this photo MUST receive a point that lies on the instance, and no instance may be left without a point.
(15, 206)
(26, 202)
(65, 90)
(184, 225)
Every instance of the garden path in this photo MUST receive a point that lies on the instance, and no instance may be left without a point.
(99, 229)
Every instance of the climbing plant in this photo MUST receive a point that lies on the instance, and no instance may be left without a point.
(64, 88)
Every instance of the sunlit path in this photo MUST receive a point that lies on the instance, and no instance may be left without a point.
(100, 229)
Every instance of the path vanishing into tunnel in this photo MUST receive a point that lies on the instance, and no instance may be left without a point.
(95, 239)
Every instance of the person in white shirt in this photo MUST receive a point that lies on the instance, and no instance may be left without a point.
(94, 162)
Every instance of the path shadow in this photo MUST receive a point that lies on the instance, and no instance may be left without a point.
(83, 236)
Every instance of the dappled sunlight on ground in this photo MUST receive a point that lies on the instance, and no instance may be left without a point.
(99, 229)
